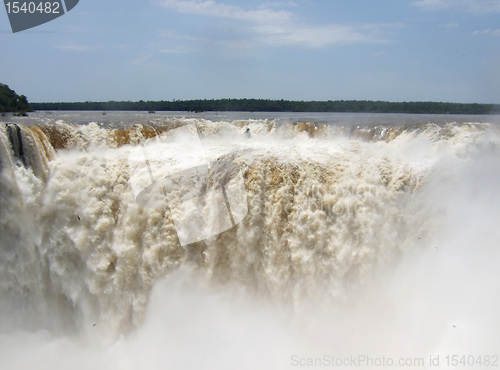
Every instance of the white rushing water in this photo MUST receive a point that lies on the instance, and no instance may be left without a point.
(375, 241)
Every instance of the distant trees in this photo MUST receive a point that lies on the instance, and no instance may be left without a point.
(11, 102)
(267, 105)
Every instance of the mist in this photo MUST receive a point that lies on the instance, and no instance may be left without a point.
(408, 273)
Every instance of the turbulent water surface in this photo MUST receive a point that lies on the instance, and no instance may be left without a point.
(370, 237)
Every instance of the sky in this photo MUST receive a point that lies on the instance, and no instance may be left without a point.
(395, 50)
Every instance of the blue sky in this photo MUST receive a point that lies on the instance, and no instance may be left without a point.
(398, 50)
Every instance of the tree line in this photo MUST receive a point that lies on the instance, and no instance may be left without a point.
(269, 105)
(11, 102)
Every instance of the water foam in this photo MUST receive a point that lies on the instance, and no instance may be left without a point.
(352, 232)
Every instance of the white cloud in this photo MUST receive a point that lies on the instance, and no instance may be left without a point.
(475, 6)
(174, 35)
(145, 59)
(176, 51)
(278, 4)
(432, 4)
(379, 53)
(322, 35)
(213, 9)
(488, 32)
(280, 27)
(72, 47)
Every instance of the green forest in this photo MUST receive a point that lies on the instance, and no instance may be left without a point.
(11, 102)
(268, 105)
(18, 104)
